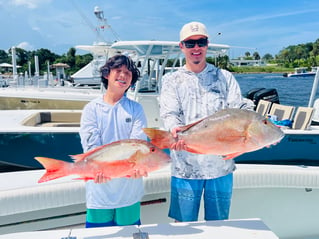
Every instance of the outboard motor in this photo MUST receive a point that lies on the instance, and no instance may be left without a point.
(266, 94)
(262, 93)
(250, 94)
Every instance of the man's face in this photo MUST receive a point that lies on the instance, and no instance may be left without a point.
(195, 49)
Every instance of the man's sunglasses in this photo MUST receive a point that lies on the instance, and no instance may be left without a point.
(202, 42)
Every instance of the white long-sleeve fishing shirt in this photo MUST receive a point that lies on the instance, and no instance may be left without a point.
(187, 97)
(101, 124)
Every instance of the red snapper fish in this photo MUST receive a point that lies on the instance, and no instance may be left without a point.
(118, 159)
(228, 132)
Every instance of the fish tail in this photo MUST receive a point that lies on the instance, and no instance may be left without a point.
(54, 168)
(160, 138)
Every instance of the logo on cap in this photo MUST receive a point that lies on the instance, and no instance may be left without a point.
(194, 28)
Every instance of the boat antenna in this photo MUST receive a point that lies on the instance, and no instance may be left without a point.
(103, 23)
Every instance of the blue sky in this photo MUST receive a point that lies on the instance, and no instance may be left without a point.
(245, 25)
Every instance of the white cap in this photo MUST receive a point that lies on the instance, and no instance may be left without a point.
(191, 29)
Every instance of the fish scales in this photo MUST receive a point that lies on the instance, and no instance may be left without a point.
(228, 132)
(122, 158)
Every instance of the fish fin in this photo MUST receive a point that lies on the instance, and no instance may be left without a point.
(193, 151)
(231, 156)
(54, 168)
(80, 157)
(160, 138)
(186, 127)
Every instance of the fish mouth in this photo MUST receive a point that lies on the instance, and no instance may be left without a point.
(276, 142)
(272, 144)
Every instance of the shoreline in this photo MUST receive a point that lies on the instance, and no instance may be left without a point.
(258, 72)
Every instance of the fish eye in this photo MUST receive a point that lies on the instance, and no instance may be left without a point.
(152, 149)
(265, 121)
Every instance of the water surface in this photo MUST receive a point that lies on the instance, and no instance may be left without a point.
(292, 90)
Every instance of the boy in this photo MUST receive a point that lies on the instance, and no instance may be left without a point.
(106, 119)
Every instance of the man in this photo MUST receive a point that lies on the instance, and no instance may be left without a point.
(197, 90)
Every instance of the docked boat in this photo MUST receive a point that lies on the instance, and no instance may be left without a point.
(25, 134)
(24, 98)
(267, 192)
(48, 120)
(42, 92)
(299, 146)
(303, 72)
(48, 92)
(301, 141)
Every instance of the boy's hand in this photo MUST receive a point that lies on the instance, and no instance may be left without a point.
(100, 178)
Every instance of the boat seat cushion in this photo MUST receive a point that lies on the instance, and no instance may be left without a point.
(302, 119)
(283, 112)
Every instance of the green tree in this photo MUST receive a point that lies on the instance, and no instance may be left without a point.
(80, 62)
(4, 57)
(71, 57)
(256, 55)
(22, 56)
(267, 57)
(44, 56)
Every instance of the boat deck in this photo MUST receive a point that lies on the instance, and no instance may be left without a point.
(243, 229)
(260, 191)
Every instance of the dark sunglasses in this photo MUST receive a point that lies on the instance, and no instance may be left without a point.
(202, 42)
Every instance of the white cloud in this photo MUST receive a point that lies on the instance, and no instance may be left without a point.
(29, 3)
(37, 29)
(26, 46)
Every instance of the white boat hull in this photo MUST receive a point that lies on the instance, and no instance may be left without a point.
(46, 98)
(284, 197)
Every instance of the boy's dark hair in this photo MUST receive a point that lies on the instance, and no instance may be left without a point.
(116, 62)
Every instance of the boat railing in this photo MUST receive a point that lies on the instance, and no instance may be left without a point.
(314, 89)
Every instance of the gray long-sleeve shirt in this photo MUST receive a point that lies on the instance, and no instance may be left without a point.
(101, 124)
(187, 97)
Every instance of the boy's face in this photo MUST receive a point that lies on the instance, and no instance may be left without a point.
(120, 78)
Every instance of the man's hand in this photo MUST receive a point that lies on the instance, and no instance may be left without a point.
(180, 144)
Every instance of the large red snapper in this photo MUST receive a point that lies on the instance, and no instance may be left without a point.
(118, 159)
(228, 132)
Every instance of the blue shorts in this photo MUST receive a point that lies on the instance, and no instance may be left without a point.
(123, 216)
(186, 196)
